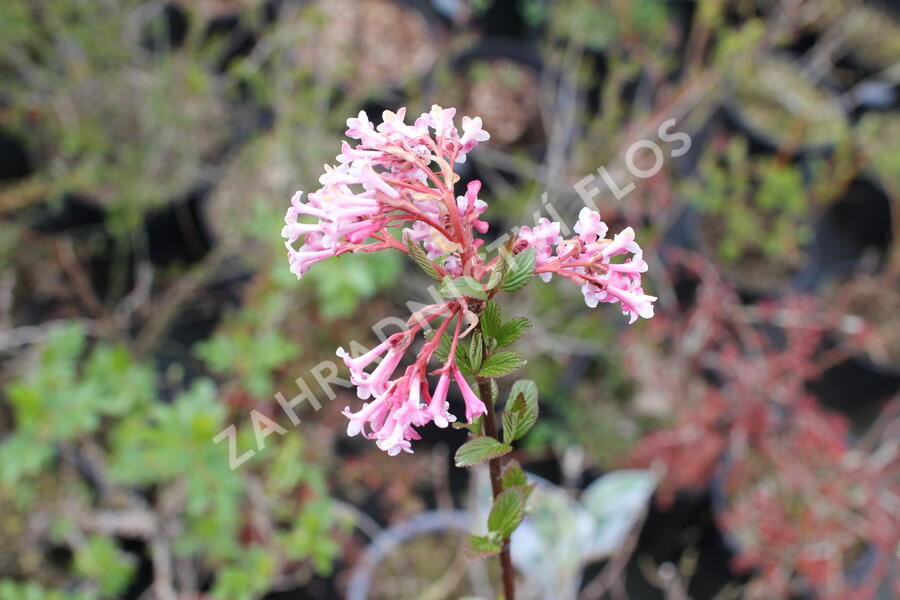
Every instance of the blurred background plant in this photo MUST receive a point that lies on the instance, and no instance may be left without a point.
(148, 151)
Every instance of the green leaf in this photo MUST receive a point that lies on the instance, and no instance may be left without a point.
(490, 319)
(510, 426)
(462, 287)
(474, 426)
(507, 512)
(101, 560)
(479, 546)
(248, 578)
(527, 389)
(479, 450)
(510, 331)
(523, 401)
(462, 361)
(442, 352)
(521, 268)
(514, 475)
(418, 255)
(501, 363)
(476, 351)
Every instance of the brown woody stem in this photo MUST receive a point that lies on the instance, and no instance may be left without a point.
(490, 429)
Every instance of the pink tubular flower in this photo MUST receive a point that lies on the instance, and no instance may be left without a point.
(587, 259)
(474, 406)
(438, 405)
(403, 404)
(472, 135)
(590, 226)
(542, 238)
(377, 382)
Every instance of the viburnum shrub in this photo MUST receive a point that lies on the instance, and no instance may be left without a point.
(394, 190)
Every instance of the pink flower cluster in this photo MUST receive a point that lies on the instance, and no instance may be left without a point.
(385, 181)
(401, 176)
(401, 404)
(587, 259)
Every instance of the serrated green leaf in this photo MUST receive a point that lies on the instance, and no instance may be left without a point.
(521, 268)
(526, 388)
(462, 361)
(512, 330)
(490, 319)
(514, 475)
(501, 363)
(523, 401)
(479, 546)
(507, 512)
(479, 450)
(421, 258)
(462, 287)
(442, 352)
(476, 351)
(510, 426)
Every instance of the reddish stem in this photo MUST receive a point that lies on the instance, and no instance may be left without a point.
(494, 465)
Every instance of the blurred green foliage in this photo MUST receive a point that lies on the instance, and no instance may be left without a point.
(754, 205)
(78, 396)
(124, 126)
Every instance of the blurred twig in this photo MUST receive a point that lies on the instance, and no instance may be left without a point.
(175, 296)
(611, 573)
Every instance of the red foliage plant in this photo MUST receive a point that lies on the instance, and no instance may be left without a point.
(801, 506)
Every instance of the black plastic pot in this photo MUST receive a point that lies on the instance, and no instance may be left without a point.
(736, 118)
(14, 161)
(531, 142)
(386, 94)
(507, 18)
(668, 533)
(176, 232)
(855, 227)
(858, 389)
(685, 235)
(521, 53)
(169, 29)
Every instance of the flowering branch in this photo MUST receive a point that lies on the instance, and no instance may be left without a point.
(397, 184)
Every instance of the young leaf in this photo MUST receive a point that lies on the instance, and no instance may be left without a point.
(462, 360)
(476, 351)
(479, 450)
(474, 426)
(521, 268)
(418, 255)
(507, 512)
(513, 475)
(525, 387)
(479, 546)
(510, 331)
(490, 319)
(510, 426)
(460, 287)
(501, 363)
(523, 401)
